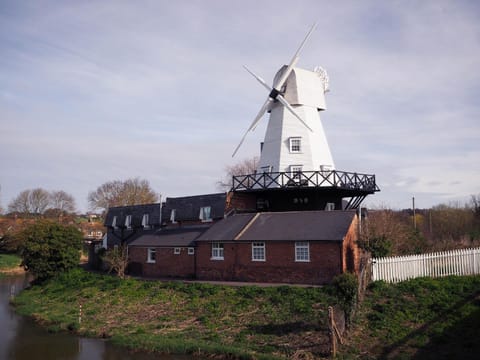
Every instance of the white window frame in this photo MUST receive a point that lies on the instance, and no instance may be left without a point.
(114, 222)
(218, 251)
(128, 222)
(258, 251)
(295, 145)
(266, 169)
(146, 221)
(151, 259)
(296, 172)
(173, 214)
(205, 214)
(330, 206)
(176, 251)
(191, 251)
(302, 251)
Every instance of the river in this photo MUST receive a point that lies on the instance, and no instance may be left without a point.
(22, 339)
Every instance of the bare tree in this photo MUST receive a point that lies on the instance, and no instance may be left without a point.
(244, 167)
(62, 202)
(122, 193)
(38, 201)
(34, 201)
(117, 260)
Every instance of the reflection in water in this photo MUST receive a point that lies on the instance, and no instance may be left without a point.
(22, 339)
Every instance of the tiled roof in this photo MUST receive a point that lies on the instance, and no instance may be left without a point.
(227, 228)
(187, 208)
(278, 226)
(183, 236)
(137, 212)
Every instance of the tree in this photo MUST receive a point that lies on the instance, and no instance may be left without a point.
(20, 204)
(244, 167)
(50, 248)
(61, 202)
(122, 193)
(37, 201)
(117, 260)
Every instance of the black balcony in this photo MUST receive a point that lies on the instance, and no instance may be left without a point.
(333, 179)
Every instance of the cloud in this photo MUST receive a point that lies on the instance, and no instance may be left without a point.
(116, 89)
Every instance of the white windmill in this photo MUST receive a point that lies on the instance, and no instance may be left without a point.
(295, 140)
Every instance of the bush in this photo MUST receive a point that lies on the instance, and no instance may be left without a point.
(346, 290)
(378, 246)
(50, 248)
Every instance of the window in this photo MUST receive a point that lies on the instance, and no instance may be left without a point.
(176, 251)
(330, 206)
(295, 144)
(296, 172)
(173, 214)
(114, 222)
(217, 251)
(266, 169)
(302, 251)
(191, 251)
(258, 251)
(150, 255)
(146, 221)
(205, 213)
(128, 222)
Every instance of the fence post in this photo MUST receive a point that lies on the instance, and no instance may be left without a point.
(333, 339)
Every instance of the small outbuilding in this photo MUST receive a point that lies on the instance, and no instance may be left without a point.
(308, 247)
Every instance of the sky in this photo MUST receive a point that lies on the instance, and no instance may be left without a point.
(94, 91)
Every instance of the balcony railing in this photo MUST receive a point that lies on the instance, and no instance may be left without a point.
(305, 179)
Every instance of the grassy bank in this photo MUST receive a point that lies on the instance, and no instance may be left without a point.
(241, 322)
(10, 263)
(418, 319)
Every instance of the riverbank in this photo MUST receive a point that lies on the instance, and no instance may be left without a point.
(237, 322)
(417, 319)
(10, 265)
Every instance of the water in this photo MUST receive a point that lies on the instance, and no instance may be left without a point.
(22, 339)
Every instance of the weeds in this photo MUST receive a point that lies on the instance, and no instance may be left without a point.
(240, 322)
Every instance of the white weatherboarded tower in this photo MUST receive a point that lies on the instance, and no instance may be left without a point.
(289, 145)
(295, 140)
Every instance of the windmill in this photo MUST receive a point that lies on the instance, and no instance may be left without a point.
(296, 170)
(295, 140)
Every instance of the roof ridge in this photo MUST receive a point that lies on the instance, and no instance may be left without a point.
(246, 227)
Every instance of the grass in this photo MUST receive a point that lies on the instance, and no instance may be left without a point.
(9, 263)
(235, 322)
(418, 319)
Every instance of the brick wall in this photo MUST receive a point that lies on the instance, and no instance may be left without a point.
(166, 265)
(280, 265)
(351, 252)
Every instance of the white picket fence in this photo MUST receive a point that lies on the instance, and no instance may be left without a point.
(399, 268)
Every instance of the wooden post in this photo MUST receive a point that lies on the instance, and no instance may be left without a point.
(12, 292)
(80, 314)
(331, 324)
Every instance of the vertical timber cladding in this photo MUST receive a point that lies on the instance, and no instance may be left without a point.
(279, 265)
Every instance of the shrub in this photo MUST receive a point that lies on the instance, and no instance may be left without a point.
(50, 248)
(346, 290)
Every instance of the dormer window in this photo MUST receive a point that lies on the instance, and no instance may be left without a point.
(205, 213)
(295, 144)
(114, 222)
(173, 215)
(146, 221)
(128, 221)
